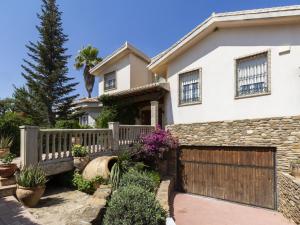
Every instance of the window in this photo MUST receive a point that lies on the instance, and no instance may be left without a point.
(252, 75)
(84, 120)
(110, 81)
(189, 87)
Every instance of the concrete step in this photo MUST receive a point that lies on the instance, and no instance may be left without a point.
(7, 181)
(8, 190)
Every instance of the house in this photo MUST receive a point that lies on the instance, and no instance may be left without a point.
(88, 109)
(124, 76)
(230, 91)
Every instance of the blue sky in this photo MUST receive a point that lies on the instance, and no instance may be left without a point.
(151, 26)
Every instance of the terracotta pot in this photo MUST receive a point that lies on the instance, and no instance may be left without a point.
(7, 170)
(3, 152)
(100, 166)
(295, 170)
(30, 196)
(80, 162)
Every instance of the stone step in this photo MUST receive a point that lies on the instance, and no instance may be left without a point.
(8, 190)
(7, 181)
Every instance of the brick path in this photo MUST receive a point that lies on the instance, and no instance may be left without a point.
(197, 210)
(13, 213)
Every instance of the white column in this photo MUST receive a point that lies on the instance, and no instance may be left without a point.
(29, 145)
(114, 126)
(154, 113)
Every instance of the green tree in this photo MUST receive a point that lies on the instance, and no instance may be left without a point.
(47, 95)
(87, 58)
(6, 105)
(108, 114)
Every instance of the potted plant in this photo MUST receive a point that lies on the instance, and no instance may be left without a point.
(295, 168)
(5, 144)
(30, 185)
(80, 156)
(7, 168)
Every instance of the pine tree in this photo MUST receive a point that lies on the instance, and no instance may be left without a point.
(47, 94)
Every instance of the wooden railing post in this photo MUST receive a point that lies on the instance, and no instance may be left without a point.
(29, 145)
(114, 126)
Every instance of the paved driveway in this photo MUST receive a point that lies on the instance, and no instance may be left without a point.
(197, 210)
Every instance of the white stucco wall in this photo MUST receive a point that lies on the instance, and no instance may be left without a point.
(122, 69)
(140, 75)
(92, 118)
(131, 72)
(91, 114)
(216, 54)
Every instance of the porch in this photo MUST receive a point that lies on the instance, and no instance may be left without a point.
(147, 102)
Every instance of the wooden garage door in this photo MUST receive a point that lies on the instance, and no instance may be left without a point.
(239, 174)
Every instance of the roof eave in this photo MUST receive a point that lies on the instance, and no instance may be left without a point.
(126, 47)
(215, 19)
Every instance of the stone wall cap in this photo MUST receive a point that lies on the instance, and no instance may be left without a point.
(297, 117)
(28, 127)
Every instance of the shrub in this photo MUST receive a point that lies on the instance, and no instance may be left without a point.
(139, 166)
(134, 205)
(160, 140)
(79, 151)
(67, 124)
(115, 175)
(155, 177)
(119, 168)
(6, 142)
(108, 114)
(146, 180)
(32, 176)
(87, 186)
(9, 127)
(86, 127)
(8, 158)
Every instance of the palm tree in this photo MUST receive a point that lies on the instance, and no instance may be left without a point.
(87, 58)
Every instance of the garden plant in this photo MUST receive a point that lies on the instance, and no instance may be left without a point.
(134, 205)
(31, 183)
(7, 168)
(80, 156)
(5, 144)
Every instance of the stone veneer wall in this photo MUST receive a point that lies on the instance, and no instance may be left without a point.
(280, 132)
(289, 197)
(164, 193)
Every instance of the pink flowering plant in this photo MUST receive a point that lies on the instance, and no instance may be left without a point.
(158, 142)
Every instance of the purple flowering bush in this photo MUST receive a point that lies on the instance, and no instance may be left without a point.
(158, 142)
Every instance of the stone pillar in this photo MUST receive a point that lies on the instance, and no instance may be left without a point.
(114, 126)
(29, 145)
(154, 113)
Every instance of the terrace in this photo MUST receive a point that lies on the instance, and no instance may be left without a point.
(51, 148)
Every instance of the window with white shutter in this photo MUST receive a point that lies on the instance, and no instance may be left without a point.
(252, 75)
(189, 87)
